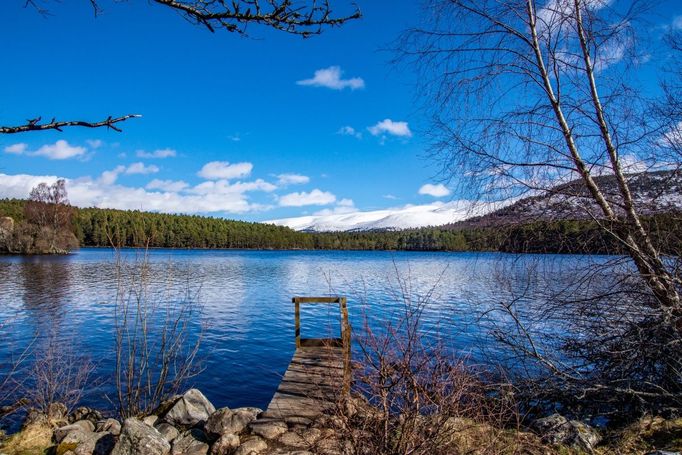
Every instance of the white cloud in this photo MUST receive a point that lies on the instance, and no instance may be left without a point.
(172, 186)
(344, 206)
(60, 150)
(349, 131)
(390, 197)
(216, 170)
(292, 179)
(141, 168)
(388, 126)
(109, 177)
(225, 187)
(95, 143)
(331, 78)
(88, 192)
(315, 197)
(17, 149)
(160, 153)
(438, 190)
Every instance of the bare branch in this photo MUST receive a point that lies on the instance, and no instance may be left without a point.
(35, 125)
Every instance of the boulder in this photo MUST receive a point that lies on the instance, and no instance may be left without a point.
(301, 440)
(96, 444)
(151, 420)
(253, 411)
(556, 429)
(137, 438)
(252, 446)
(191, 442)
(84, 426)
(226, 421)
(85, 413)
(192, 409)
(268, 429)
(113, 426)
(225, 444)
(167, 430)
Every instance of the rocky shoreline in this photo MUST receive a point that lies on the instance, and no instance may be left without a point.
(189, 424)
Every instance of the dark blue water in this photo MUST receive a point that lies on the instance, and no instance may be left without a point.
(247, 315)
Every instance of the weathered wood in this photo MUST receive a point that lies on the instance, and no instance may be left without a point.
(310, 385)
(318, 372)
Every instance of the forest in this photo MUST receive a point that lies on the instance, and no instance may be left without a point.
(94, 227)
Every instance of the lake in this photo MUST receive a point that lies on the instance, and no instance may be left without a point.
(247, 319)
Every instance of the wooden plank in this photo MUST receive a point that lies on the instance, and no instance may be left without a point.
(310, 384)
(316, 299)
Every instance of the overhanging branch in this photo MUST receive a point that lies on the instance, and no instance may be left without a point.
(35, 125)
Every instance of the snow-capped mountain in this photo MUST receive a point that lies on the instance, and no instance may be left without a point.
(409, 216)
(654, 192)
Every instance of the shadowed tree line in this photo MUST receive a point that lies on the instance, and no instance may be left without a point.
(36, 231)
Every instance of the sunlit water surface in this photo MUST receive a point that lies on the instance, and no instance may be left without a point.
(247, 316)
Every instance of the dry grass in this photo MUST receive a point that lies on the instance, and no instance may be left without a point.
(34, 439)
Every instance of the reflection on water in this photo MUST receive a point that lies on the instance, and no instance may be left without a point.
(246, 297)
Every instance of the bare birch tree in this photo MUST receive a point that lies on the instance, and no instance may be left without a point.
(525, 96)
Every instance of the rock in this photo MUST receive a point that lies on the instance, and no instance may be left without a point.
(84, 426)
(57, 411)
(252, 446)
(96, 444)
(302, 439)
(225, 444)
(137, 438)
(556, 429)
(226, 421)
(151, 420)
(167, 430)
(192, 409)
(268, 429)
(191, 442)
(113, 426)
(84, 413)
(253, 411)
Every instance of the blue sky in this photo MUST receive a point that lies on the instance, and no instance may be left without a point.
(215, 98)
(257, 128)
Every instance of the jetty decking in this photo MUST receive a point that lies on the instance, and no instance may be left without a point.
(319, 370)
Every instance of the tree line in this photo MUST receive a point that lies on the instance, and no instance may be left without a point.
(95, 227)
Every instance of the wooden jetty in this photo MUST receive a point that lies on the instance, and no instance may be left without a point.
(319, 370)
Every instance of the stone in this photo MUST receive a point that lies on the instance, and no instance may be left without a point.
(225, 444)
(167, 430)
(252, 446)
(556, 429)
(113, 426)
(151, 420)
(253, 411)
(82, 425)
(191, 442)
(85, 413)
(226, 421)
(192, 409)
(137, 438)
(268, 429)
(96, 444)
(301, 439)
(57, 411)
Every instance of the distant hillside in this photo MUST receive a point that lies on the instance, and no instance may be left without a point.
(655, 193)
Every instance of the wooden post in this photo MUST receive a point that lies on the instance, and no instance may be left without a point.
(297, 317)
(346, 340)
